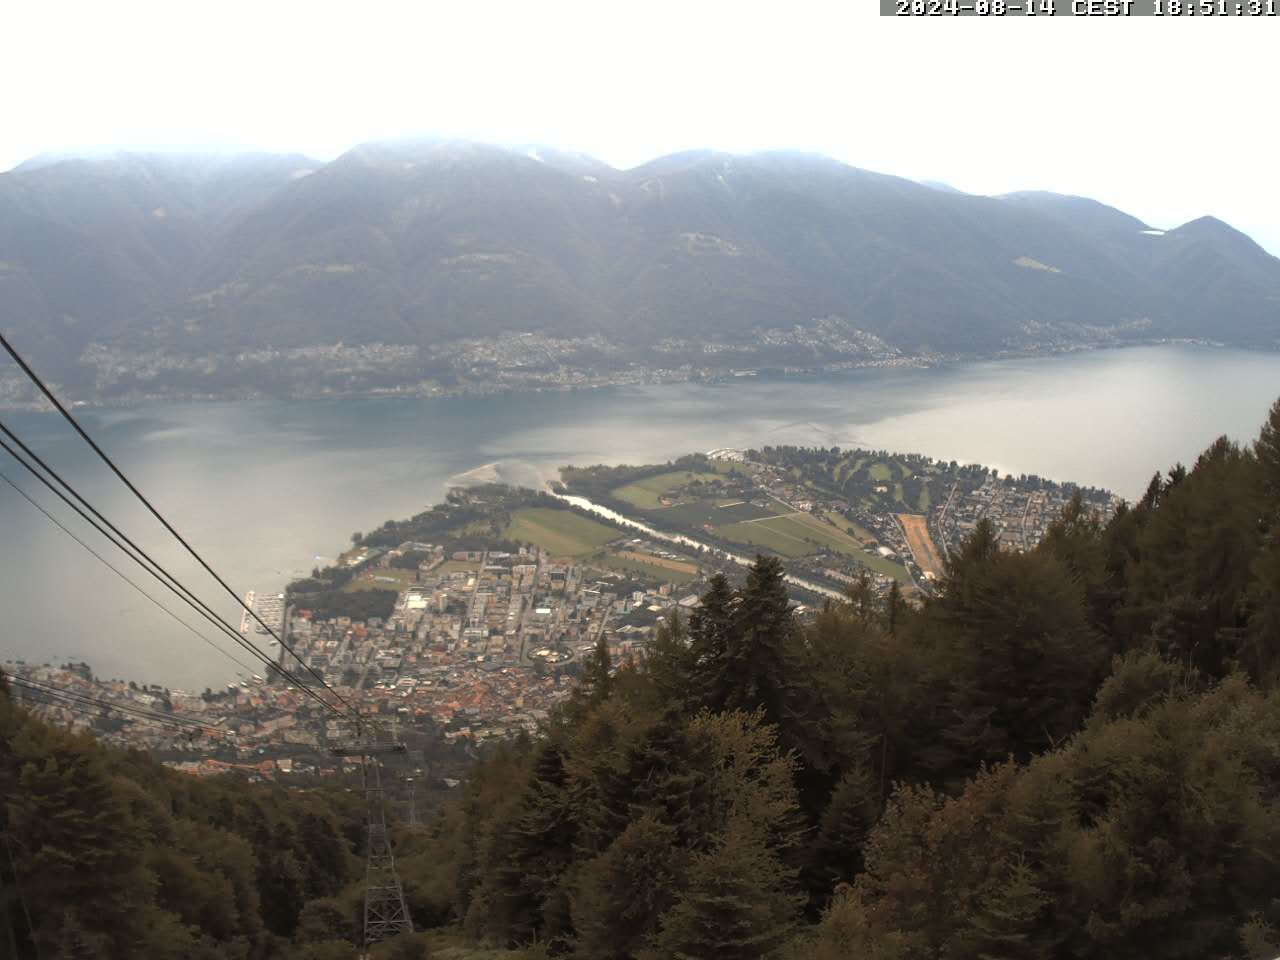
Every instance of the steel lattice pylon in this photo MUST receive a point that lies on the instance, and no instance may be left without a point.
(385, 912)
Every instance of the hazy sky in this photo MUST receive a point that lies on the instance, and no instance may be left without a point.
(1168, 119)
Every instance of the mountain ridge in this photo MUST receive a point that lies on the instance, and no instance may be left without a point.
(423, 244)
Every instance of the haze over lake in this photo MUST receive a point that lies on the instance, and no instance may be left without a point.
(266, 490)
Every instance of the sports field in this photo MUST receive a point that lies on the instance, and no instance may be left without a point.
(559, 532)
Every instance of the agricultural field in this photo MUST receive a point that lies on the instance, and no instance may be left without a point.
(801, 534)
(559, 532)
(645, 493)
(650, 568)
(779, 534)
(680, 566)
(701, 513)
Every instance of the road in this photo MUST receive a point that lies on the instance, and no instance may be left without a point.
(942, 520)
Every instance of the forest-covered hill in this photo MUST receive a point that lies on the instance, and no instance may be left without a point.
(1068, 753)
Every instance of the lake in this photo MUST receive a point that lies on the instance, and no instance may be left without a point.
(266, 490)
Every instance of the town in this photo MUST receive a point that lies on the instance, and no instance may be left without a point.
(468, 623)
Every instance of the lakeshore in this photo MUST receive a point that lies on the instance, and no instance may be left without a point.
(262, 487)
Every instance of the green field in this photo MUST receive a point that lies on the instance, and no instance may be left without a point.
(701, 512)
(648, 571)
(559, 532)
(777, 535)
(925, 500)
(837, 540)
(880, 472)
(644, 493)
(801, 535)
(844, 522)
(396, 579)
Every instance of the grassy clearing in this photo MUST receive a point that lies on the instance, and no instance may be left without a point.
(644, 493)
(842, 523)
(841, 542)
(684, 566)
(764, 535)
(849, 466)
(391, 578)
(561, 533)
(702, 512)
(801, 535)
(897, 493)
(457, 566)
(647, 570)
(925, 500)
(880, 472)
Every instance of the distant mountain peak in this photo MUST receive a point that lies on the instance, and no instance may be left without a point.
(1220, 236)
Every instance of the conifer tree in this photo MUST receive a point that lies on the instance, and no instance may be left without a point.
(1267, 450)
(524, 859)
(669, 666)
(1015, 653)
(861, 597)
(620, 894)
(1260, 651)
(712, 643)
(756, 669)
(736, 904)
(1194, 558)
(836, 855)
(597, 680)
(894, 608)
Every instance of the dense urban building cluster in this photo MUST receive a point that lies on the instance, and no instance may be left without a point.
(480, 645)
